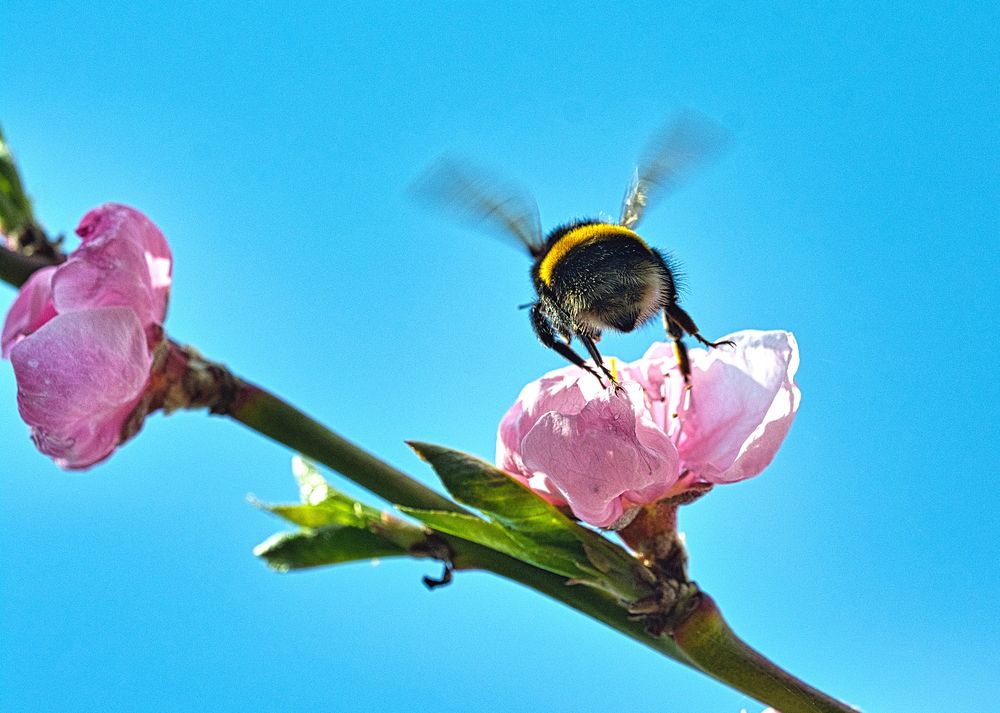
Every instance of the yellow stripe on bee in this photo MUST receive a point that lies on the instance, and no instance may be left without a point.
(591, 233)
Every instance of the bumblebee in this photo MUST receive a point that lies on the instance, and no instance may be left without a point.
(591, 275)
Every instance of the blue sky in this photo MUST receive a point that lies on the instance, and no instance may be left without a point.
(857, 207)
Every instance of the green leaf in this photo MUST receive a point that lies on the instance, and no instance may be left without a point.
(328, 545)
(496, 537)
(321, 503)
(468, 527)
(475, 482)
(337, 528)
(540, 531)
(15, 207)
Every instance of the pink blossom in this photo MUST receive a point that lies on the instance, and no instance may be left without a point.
(603, 452)
(594, 449)
(80, 335)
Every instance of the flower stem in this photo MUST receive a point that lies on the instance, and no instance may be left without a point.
(652, 535)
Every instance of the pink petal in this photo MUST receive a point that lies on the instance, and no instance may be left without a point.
(79, 377)
(660, 377)
(603, 459)
(660, 350)
(743, 402)
(30, 310)
(124, 260)
(558, 390)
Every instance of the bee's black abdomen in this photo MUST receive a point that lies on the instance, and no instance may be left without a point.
(603, 276)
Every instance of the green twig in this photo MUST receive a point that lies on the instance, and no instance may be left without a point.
(276, 419)
(709, 642)
(592, 602)
(16, 269)
(702, 641)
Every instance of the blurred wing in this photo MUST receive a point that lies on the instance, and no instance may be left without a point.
(687, 141)
(476, 197)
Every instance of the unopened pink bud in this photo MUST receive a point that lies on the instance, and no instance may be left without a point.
(81, 335)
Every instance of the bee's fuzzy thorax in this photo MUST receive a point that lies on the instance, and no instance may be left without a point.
(568, 240)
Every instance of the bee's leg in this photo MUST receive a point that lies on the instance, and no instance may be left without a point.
(588, 342)
(676, 333)
(677, 315)
(543, 330)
